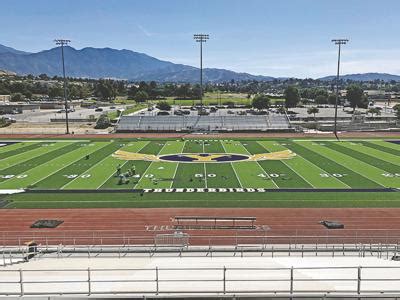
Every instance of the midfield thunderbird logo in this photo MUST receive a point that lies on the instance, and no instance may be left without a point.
(204, 157)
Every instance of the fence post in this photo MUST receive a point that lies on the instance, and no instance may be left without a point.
(89, 285)
(21, 282)
(157, 281)
(224, 277)
(291, 280)
(359, 280)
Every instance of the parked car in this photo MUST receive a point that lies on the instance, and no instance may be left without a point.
(11, 120)
(178, 113)
(163, 113)
(98, 109)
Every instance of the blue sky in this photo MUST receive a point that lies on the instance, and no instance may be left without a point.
(277, 38)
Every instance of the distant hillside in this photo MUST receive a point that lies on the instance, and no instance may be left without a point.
(5, 72)
(112, 63)
(5, 49)
(126, 64)
(365, 77)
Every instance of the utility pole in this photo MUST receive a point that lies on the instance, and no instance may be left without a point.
(201, 38)
(338, 42)
(62, 43)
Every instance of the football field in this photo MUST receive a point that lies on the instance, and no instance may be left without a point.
(199, 164)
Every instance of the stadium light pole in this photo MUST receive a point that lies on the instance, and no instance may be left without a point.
(62, 43)
(201, 38)
(338, 42)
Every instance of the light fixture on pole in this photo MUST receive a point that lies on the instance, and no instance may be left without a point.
(338, 42)
(201, 38)
(62, 43)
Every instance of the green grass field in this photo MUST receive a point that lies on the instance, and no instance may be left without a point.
(70, 165)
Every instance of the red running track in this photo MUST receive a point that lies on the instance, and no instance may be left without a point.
(140, 226)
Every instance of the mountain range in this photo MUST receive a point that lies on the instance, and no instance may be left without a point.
(126, 64)
(111, 63)
(365, 77)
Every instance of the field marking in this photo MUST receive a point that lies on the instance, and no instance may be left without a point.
(233, 168)
(47, 150)
(205, 170)
(335, 140)
(112, 174)
(87, 170)
(261, 168)
(283, 161)
(351, 169)
(145, 171)
(47, 163)
(12, 147)
(20, 154)
(324, 171)
(384, 156)
(65, 166)
(176, 168)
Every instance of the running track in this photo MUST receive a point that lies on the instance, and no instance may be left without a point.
(139, 226)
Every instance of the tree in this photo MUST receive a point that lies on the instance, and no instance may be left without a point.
(355, 95)
(398, 113)
(281, 109)
(183, 90)
(141, 96)
(313, 110)
(332, 99)
(103, 122)
(152, 90)
(44, 77)
(55, 92)
(292, 97)
(321, 99)
(163, 105)
(132, 91)
(106, 90)
(28, 94)
(374, 111)
(260, 102)
(17, 97)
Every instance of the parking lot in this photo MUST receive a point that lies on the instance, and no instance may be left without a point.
(44, 115)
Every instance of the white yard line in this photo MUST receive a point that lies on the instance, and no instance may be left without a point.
(176, 168)
(33, 157)
(84, 172)
(144, 173)
(382, 185)
(205, 170)
(325, 171)
(112, 174)
(205, 176)
(237, 177)
(262, 169)
(64, 166)
(283, 161)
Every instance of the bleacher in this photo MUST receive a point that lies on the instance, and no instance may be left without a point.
(272, 122)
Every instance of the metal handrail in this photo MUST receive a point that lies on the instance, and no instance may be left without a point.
(223, 274)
